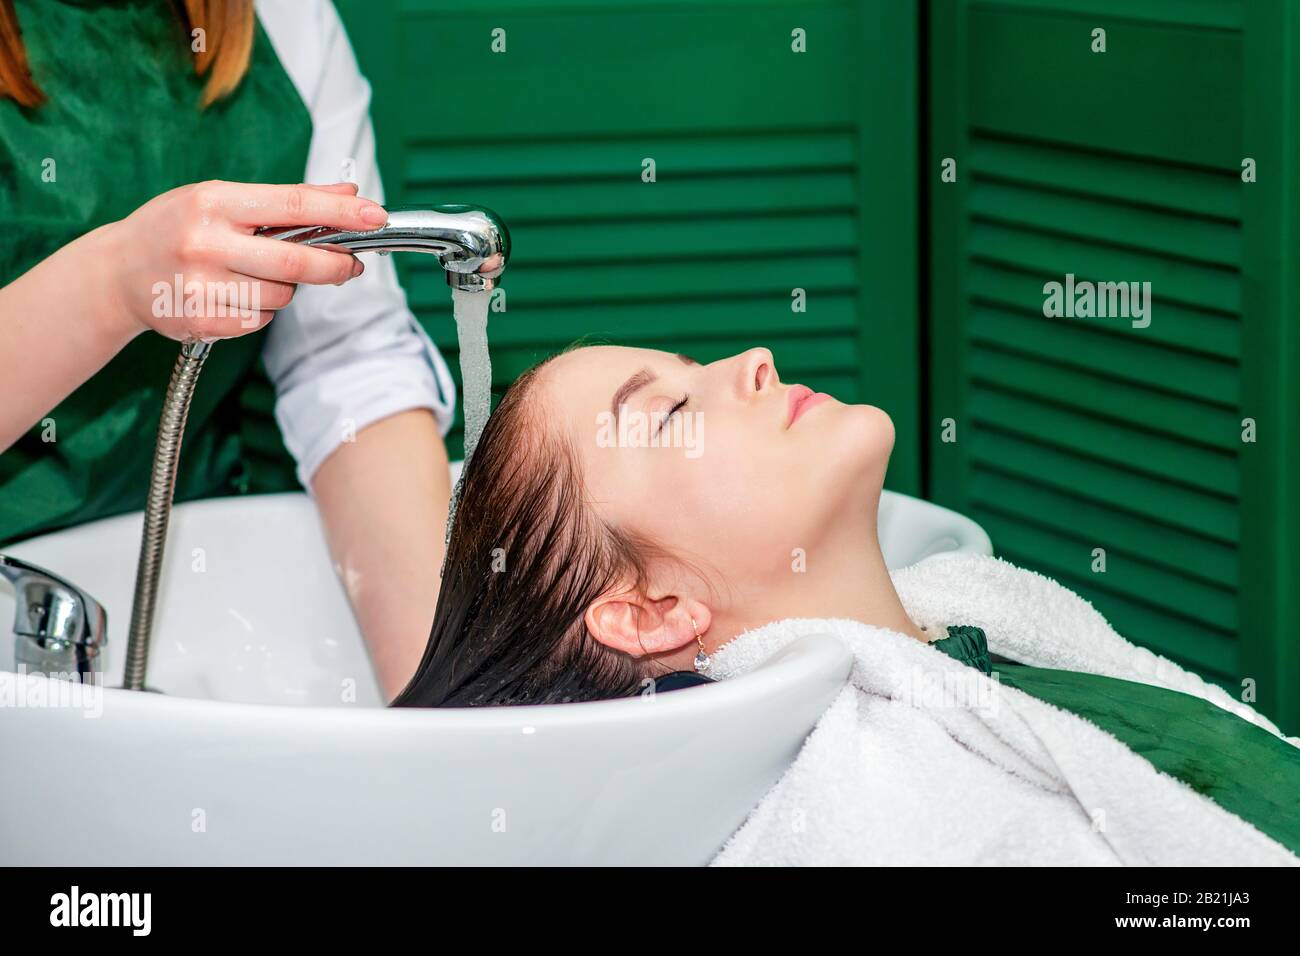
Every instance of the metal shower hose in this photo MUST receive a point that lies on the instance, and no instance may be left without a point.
(158, 506)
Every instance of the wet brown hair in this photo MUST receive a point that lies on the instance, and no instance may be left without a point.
(526, 557)
(228, 25)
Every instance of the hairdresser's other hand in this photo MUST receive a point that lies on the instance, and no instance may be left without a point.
(188, 265)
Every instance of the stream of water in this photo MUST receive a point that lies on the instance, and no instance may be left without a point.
(471, 311)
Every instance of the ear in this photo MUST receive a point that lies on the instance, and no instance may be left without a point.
(641, 626)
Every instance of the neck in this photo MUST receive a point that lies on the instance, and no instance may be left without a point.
(845, 577)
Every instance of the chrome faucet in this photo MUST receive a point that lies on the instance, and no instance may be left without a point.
(59, 629)
(471, 242)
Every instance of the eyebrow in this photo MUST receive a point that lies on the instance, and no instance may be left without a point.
(638, 380)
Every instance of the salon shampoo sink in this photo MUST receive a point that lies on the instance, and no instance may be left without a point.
(267, 741)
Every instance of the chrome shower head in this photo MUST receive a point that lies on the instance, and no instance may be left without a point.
(464, 238)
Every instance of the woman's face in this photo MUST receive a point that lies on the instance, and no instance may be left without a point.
(746, 474)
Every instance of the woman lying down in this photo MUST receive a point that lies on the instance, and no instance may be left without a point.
(992, 716)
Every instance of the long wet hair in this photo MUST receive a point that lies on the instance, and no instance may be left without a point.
(526, 557)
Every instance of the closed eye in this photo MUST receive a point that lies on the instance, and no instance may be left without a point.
(673, 411)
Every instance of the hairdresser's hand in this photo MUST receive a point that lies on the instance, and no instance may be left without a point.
(187, 263)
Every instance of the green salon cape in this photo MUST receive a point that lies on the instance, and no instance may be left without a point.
(121, 125)
(1241, 767)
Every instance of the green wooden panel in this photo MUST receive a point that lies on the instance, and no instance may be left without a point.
(1161, 89)
(1081, 433)
(1270, 514)
(775, 171)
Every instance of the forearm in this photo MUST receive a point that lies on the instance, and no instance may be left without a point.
(383, 500)
(59, 325)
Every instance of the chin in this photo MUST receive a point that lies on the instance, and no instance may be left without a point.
(861, 441)
(868, 433)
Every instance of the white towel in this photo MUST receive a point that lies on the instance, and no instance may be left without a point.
(922, 759)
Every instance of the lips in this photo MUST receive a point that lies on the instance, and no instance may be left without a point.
(799, 400)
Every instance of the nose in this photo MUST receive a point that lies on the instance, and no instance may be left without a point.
(756, 371)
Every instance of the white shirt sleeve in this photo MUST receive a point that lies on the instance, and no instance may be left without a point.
(342, 357)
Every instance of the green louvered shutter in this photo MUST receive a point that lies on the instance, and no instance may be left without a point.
(776, 170)
(1075, 434)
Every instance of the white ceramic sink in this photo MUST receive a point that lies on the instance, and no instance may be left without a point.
(268, 743)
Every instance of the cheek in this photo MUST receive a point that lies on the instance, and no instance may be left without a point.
(738, 503)
(748, 498)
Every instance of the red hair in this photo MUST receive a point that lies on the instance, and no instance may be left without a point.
(227, 48)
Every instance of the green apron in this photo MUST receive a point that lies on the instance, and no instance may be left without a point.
(1241, 767)
(121, 125)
